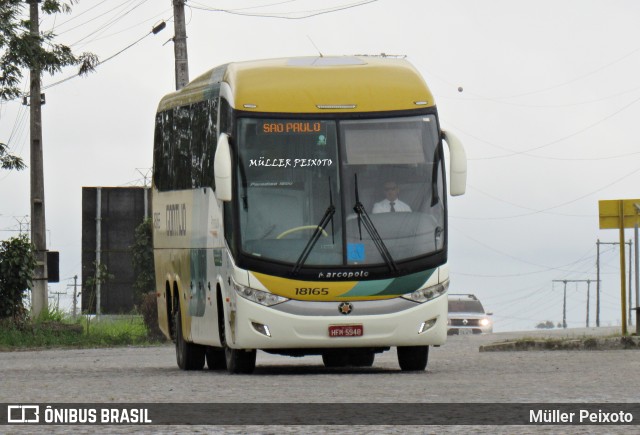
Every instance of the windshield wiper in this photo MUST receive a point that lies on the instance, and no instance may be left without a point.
(317, 232)
(364, 219)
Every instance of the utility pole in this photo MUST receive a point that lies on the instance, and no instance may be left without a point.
(637, 264)
(180, 45)
(75, 294)
(622, 264)
(629, 286)
(39, 292)
(564, 305)
(598, 283)
(57, 294)
(630, 276)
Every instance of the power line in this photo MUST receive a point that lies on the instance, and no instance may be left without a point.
(545, 89)
(564, 305)
(555, 206)
(283, 15)
(527, 152)
(89, 20)
(155, 30)
(111, 22)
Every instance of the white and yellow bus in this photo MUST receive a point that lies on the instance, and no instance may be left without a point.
(266, 174)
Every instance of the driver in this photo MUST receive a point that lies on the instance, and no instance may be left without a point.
(391, 203)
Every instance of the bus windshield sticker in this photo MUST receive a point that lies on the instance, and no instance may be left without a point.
(355, 252)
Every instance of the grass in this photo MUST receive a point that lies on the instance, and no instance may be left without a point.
(56, 330)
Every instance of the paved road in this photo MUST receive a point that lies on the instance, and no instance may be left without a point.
(457, 372)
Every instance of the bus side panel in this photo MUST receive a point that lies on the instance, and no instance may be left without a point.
(171, 241)
(209, 249)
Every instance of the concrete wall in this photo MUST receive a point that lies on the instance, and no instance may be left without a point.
(121, 211)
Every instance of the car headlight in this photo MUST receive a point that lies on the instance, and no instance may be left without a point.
(484, 322)
(428, 293)
(258, 296)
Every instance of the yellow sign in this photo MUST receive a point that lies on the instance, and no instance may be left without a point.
(619, 213)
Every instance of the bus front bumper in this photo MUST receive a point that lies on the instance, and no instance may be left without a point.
(260, 327)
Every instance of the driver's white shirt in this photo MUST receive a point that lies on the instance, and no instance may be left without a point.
(384, 206)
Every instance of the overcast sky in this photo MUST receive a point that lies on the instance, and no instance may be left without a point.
(547, 113)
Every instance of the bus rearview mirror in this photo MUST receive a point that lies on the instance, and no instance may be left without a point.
(222, 168)
(457, 164)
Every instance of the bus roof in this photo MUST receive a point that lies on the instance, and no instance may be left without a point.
(312, 85)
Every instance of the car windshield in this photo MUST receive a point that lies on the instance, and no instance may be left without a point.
(465, 306)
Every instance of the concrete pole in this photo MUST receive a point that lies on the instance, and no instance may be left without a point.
(180, 45)
(98, 248)
(39, 292)
(637, 279)
(588, 291)
(598, 284)
(75, 295)
(630, 277)
(623, 283)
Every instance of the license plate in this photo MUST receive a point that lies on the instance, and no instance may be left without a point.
(346, 331)
(465, 331)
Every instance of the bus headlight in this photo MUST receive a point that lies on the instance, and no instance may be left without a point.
(428, 293)
(258, 296)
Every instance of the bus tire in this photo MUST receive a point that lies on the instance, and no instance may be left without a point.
(216, 359)
(237, 361)
(189, 356)
(362, 359)
(240, 361)
(335, 359)
(413, 358)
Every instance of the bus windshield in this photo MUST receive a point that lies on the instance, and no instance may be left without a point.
(372, 190)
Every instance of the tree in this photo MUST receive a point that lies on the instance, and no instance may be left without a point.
(545, 325)
(101, 276)
(145, 284)
(142, 256)
(17, 265)
(8, 161)
(23, 51)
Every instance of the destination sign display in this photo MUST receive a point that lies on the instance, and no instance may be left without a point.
(292, 127)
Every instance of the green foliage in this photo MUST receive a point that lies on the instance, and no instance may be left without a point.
(17, 265)
(101, 276)
(546, 325)
(105, 332)
(145, 283)
(9, 161)
(143, 267)
(23, 51)
(52, 315)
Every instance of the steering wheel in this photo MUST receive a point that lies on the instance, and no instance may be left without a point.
(302, 228)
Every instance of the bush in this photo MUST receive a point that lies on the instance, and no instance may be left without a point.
(17, 265)
(142, 258)
(545, 325)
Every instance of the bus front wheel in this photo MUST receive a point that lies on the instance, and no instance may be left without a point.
(236, 360)
(413, 358)
(240, 361)
(216, 358)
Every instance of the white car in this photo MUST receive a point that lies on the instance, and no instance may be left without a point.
(467, 316)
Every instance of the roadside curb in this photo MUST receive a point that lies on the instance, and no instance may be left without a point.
(585, 343)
